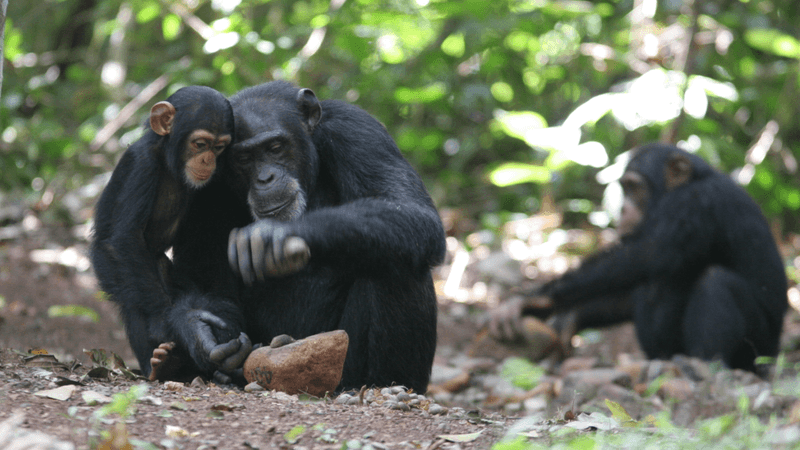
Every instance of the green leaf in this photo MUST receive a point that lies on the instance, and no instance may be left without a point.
(619, 413)
(426, 94)
(511, 173)
(148, 12)
(521, 372)
(773, 41)
(171, 27)
(73, 311)
(293, 435)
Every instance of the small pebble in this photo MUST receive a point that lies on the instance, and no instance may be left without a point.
(252, 387)
(437, 409)
(198, 383)
(354, 401)
(342, 399)
(403, 397)
(397, 389)
(401, 407)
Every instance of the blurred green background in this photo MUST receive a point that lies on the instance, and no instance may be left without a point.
(506, 107)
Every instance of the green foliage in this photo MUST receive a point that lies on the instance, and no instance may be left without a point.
(521, 372)
(73, 311)
(123, 404)
(478, 94)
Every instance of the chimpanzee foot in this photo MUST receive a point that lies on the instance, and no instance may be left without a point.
(164, 365)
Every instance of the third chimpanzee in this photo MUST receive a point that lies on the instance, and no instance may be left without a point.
(140, 211)
(326, 227)
(697, 267)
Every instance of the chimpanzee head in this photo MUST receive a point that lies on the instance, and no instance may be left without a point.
(196, 123)
(654, 171)
(274, 162)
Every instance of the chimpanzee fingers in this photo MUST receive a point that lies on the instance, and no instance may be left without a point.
(233, 255)
(274, 258)
(296, 254)
(235, 360)
(212, 320)
(244, 258)
(219, 353)
(258, 252)
(221, 378)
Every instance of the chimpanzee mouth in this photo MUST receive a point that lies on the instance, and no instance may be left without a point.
(272, 212)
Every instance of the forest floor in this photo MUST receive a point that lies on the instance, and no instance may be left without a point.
(49, 302)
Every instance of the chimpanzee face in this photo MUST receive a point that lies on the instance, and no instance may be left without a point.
(274, 158)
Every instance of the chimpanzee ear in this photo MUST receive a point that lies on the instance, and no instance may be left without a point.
(309, 106)
(677, 172)
(161, 116)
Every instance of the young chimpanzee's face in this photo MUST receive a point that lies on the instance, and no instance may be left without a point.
(198, 123)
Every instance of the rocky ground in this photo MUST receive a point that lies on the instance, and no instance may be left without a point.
(481, 391)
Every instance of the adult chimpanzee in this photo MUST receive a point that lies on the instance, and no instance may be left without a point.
(697, 267)
(140, 210)
(330, 228)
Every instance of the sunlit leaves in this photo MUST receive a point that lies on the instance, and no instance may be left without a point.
(427, 94)
(171, 26)
(454, 45)
(502, 92)
(773, 41)
(511, 173)
(148, 12)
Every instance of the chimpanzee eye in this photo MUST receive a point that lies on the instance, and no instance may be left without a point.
(219, 148)
(201, 145)
(243, 158)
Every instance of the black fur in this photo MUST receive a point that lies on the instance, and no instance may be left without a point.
(701, 275)
(139, 213)
(372, 230)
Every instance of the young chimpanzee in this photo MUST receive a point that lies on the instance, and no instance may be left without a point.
(697, 267)
(141, 208)
(330, 228)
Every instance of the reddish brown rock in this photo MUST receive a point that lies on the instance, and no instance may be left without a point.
(312, 365)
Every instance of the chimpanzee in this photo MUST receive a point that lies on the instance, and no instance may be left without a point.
(141, 208)
(697, 267)
(326, 227)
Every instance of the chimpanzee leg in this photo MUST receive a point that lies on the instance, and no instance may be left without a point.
(144, 335)
(723, 321)
(392, 330)
(658, 310)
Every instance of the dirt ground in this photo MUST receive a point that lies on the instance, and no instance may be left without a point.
(46, 268)
(194, 417)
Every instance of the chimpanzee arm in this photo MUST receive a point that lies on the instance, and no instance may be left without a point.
(382, 216)
(676, 237)
(125, 268)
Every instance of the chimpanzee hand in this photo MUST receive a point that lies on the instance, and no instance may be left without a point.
(505, 320)
(265, 249)
(204, 330)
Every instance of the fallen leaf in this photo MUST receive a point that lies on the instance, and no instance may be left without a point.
(460, 437)
(92, 398)
(99, 372)
(176, 432)
(594, 420)
(61, 393)
(42, 361)
(173, 386)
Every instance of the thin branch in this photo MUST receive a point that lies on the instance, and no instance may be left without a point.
(128, 111)
(685, 62)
